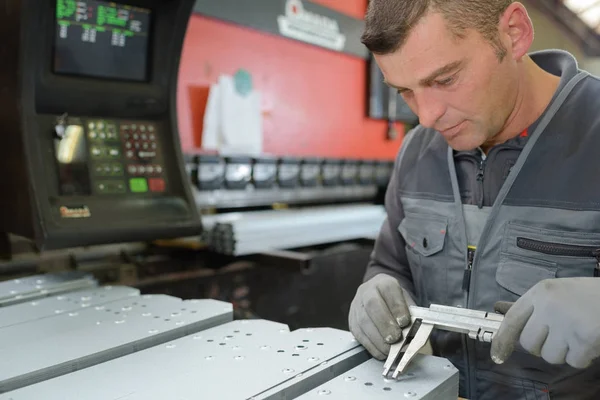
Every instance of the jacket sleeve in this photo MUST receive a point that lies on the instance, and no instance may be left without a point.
(389, 254)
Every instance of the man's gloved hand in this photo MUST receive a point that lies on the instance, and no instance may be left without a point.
(557, 319)
(378, 313)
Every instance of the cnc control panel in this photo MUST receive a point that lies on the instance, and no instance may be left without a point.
(99, 156)
(90, 116)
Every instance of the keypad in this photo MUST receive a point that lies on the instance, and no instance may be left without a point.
(142, 157)
(125, 157)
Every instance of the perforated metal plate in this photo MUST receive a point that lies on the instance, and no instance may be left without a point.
(427, 378)
(33, 351)
(38, 286)
(68, 302)
(248, 359)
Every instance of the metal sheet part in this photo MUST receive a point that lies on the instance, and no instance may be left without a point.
(247, 359)
(63, 303)
(34, 351)
(324, 372)
(427, 378)
(34, 287)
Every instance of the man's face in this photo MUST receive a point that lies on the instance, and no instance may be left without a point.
(457, 86)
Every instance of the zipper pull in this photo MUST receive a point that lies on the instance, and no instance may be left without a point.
(467, 274)
(596, 254)
(480, 177)
(480, 172)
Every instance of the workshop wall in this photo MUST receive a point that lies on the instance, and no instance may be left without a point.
(548, 35)
(314, 100)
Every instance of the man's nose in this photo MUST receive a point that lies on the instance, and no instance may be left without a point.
(429, 109)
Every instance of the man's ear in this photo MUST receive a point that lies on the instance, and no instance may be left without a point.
(516, 30)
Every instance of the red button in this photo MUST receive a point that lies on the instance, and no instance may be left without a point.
(156, 184)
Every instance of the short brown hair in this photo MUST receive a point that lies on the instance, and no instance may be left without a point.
(388, 22)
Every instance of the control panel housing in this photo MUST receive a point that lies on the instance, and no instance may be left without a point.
(89, 122)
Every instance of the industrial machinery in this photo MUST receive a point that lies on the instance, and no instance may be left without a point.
(90, 124)
(242, 182)
(92, 157)
(326, 201)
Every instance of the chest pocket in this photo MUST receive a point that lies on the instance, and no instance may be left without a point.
(531, 254)
(425, 237)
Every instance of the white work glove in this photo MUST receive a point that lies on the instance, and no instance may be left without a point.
(557, 319)
(378, 313)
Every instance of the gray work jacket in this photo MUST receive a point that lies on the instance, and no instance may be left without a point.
(550, 195)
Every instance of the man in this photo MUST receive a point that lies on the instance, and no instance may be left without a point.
(494, 198)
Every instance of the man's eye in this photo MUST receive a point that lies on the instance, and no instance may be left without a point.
(445, 82)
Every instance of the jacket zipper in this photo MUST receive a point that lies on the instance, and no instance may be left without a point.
(480, 176)
(561, 249)
(466, 284)
(469, 267)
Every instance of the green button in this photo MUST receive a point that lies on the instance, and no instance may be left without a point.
(138, 185)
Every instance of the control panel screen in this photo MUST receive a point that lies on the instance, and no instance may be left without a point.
(101, 39)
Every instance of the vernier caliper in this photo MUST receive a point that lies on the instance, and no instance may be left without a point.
(479, 325)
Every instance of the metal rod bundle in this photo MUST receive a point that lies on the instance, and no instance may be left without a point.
(255, 232)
